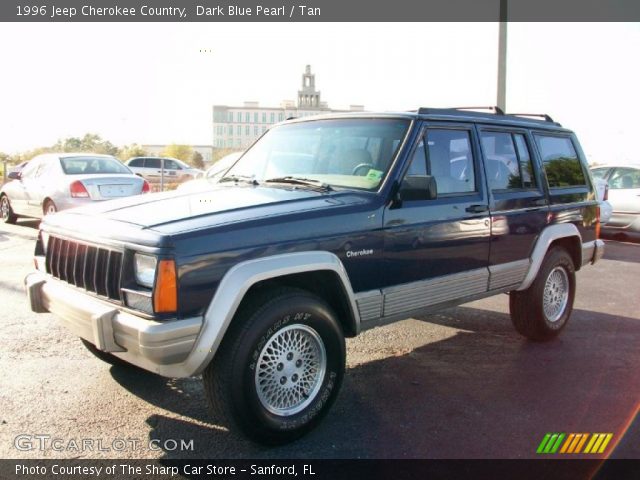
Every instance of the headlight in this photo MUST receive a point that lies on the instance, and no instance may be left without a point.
(145, 269)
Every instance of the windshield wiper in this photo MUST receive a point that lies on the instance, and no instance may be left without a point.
(301, 181)
(239, 178)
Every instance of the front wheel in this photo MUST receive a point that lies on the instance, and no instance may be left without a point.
(541, 311)
(280, 367)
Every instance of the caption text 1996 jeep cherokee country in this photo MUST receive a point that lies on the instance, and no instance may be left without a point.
(325, 227)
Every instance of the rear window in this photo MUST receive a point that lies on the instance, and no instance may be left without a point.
(561, 162)
(92, 165)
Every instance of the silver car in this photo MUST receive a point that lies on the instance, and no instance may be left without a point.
(151, 168)
(57, 181)
(624, 196)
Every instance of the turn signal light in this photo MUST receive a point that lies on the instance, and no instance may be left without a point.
(597, 222)
(78, 190)
(146, 188)
(165, 295)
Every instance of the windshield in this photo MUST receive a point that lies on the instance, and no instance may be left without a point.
(351, 153)
(92, 165)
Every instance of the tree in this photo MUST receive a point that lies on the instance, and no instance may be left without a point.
(181, 152)
(90, 143)
(196, 160)
(129, 151)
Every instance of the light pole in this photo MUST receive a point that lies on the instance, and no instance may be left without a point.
(501, 101)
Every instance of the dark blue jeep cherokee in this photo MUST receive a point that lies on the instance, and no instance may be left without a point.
(325, 227)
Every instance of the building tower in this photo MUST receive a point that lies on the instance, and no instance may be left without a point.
(308, 97)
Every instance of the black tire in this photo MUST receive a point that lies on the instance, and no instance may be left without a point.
(527, 307)
(49, 207)
(105, 356)
(6, 212)
(230, 380)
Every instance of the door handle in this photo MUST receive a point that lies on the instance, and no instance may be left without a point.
(541, 202)
(477, 208)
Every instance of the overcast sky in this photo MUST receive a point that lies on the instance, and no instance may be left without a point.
(155, 83)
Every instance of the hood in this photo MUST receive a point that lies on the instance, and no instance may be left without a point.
(177, 211)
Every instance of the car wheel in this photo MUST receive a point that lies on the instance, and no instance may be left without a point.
(541, 311)
(6, 212)
(49, 207)
(279, 368)
(105, 356)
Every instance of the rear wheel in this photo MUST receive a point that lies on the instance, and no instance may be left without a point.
(49, 207)
(541, 311)
(6, 212)
(279, 368)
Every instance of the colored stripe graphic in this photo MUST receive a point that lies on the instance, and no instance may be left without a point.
(554, 442)
(550, 443)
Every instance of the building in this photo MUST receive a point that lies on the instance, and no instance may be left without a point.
(205, 150)
(239, 127)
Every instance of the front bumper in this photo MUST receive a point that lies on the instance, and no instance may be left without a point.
(160, 347)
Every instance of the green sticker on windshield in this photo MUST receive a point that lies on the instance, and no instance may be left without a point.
(374, 174)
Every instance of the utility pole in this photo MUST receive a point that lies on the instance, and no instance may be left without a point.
(501, 101)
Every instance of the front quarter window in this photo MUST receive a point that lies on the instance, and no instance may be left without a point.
(349, 153)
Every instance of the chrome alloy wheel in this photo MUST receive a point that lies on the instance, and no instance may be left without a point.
(290, 370)
(50, 209)
(556, 294)
(4, 208)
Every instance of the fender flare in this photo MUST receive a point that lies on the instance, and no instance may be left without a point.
(233, 288)
(546, 238)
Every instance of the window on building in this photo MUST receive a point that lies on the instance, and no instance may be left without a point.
(561, 162)
(247, 117)
(255, 130)
(239, 130)
(280, 117)
(230, 116)
(255, 117)
(230, 129)
(247, 130)
(272, 118)
(264, 117)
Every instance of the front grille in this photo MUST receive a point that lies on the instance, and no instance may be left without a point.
(96, 269)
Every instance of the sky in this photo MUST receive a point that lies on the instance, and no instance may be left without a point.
(152, 83)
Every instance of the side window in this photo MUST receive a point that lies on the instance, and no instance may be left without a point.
(32, 167)
(418, 165)
(136, 162)
(451, 160)
(524, 161)
(625, 178)
(152, 163)
(561, 162)
(171, 165)
(599, 172)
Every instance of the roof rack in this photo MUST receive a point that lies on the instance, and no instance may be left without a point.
(494, 109)
(546, 117)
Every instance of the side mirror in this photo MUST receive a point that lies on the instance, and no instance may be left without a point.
(14, 175)
(421, 187)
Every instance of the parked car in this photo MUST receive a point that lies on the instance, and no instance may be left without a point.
(174, 169)
(212, 175)
(325, 227)
(57, 181)
(624, 197)
(602, 191)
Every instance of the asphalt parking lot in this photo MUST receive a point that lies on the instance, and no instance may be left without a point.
(457, 384)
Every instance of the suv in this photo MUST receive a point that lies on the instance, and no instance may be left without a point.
(150, 168)
(324, 228)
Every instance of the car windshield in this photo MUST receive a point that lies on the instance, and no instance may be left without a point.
(350, 153)
(92, 165)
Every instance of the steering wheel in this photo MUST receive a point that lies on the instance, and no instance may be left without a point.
(368, 166)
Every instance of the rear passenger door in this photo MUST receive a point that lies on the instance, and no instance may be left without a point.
(519, 206)
(437, 250)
